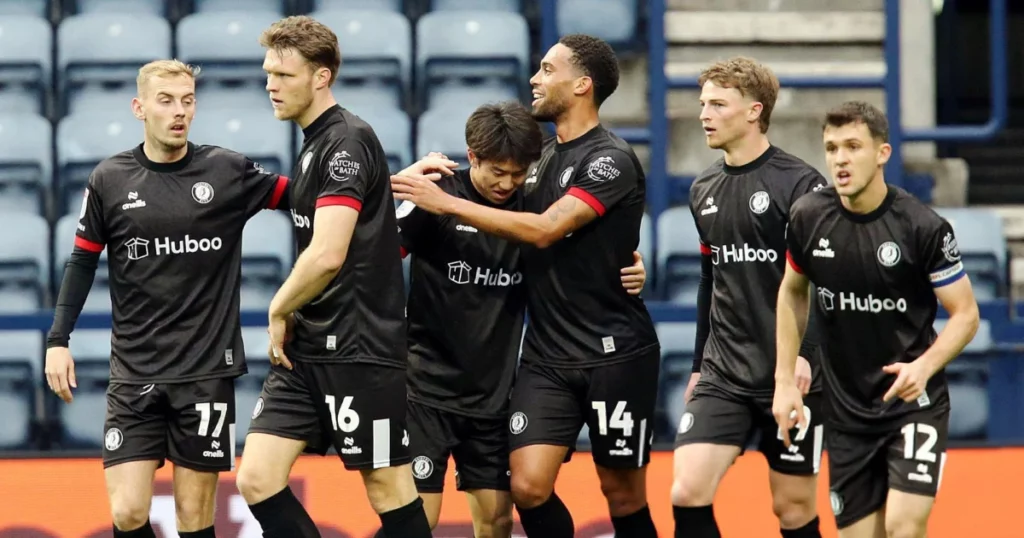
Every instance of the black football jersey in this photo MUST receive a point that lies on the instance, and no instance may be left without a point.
(875, 276)
(359, 317)
(741, 214)
(173, 233)
(579, 314)
(465, 308)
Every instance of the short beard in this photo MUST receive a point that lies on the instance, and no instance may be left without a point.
(549, 113)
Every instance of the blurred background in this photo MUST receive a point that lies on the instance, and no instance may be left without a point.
(947, 73)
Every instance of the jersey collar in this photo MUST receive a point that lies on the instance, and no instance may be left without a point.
(164, 168)
(580, 140)
(323, 121)
(752, 165)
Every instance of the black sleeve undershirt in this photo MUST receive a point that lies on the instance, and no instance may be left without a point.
(74, 290)
(704, 291)
(812, 335)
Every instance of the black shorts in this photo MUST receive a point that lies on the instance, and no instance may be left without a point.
(357, 408)
(550, 405)
(712, 416)
(478, 445)
(909, 456)
(191, 424)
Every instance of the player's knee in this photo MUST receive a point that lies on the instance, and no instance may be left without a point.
(904, 528)
(688, 492)
(390, 488)
(129, 513)
(528, 491)
(794, 511)
(194, 513)
(255, 486)
(498, 525)
(625, 491)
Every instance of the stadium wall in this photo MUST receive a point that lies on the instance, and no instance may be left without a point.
(65, 498)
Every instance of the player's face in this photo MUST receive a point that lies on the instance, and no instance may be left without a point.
(553, 84)
(167, 106)
(496, 181)
(726, 115)
(290, 83)
(853, 157)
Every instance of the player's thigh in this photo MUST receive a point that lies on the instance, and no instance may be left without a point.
(491, 510)
(130, 491)
(195, 493)
(288, 409)
(620, 404)
(482, 454)
(135, 426)
(431, 439)
(917, 458)
(858, 476)
(712, 433)
(201, 431)
(803, 456)
(545, 408)
(432, 507)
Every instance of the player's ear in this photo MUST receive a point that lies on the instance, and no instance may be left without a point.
(884, 152)
(754, 113)
(582, 85)
(137, 110)
(472, 158)
(323, 77)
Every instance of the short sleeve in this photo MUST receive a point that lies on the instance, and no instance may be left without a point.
(346, 170)
(705, 245)
(811, 181)
(607, 177)
(415, 227)
(795, 238)
(91, 235)
(941, 255)
(262, 189)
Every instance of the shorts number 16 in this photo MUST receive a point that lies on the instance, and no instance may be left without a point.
(344, 418)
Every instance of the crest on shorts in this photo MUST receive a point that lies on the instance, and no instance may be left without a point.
(258, 409)
(888, 254)
(837, 503)
(202, 192)
(686, 422)
(517, 424)
(422, 467)
(563, 179)
(759, 202)
(113, 439)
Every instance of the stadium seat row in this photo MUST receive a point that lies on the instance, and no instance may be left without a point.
(80, 425)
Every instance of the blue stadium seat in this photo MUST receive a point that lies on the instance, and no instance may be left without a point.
(982, 245)
(148, 7)
(611, 20)
(365, 99)
(63, 244)
(248, 387)
(24, 261)
(83, 140)
(271, 6)
(21, 374)
(251, 98)
(37, 8)
(967, 377)
(89, 98)
(376, 49)
(266, 258)
(26, 157)
(678, 255)
(81, 422)
(108, 48)
(26, 49)
(455, 94)
(477, 5)
(261, 137)
(444, 130)
(393, 129)
(677, 339)
(471, 46)
(345, 5)
(225, 44)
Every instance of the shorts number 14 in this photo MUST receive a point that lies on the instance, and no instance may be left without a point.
(620, 419)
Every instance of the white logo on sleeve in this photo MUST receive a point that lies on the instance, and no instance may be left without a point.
(85, 202)
(404, 209)
(343, 167)
(711, 207)
(823, 250)
(517, 423)
(818, 187)
(202, 192)
(888, 254)
(950, 249)
(305, 161)
(563, 179)
(603, 169)
(759, 202)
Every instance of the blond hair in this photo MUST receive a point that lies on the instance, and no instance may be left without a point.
(313, 40)
(753, 80)
(164, 68)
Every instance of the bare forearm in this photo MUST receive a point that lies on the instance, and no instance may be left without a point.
(791, 325)
(310, 276)
(516, 226)
(957, 333)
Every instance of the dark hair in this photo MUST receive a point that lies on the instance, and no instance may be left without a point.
(504, 132)
(859, 112)
(317, 43)
(597, 60)
(750, 78)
